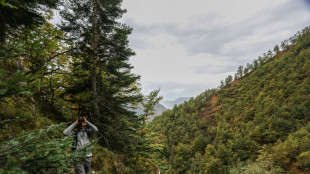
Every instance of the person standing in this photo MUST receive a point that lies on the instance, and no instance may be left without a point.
(81, 138)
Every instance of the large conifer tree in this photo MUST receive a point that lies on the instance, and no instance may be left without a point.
(101, 83)
(14, 14)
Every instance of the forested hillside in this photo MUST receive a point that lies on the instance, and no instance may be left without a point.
(255, 122)
(50, 75)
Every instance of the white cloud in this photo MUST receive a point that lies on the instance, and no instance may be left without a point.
(195, 44)
(182, 11)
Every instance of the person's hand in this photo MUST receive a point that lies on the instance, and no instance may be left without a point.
(76, 122)
(85, 120)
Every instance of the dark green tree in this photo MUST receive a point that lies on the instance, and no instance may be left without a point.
(148, 105)
(101, 83)
(13, 79)
(14, 14)
(145, 146)
(240, 72)
(228, 80)
(276, 49)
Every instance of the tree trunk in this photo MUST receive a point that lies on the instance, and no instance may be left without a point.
(51, 88)
(2, 29)
(95, 59)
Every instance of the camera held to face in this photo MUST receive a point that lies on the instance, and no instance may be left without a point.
(81, 120)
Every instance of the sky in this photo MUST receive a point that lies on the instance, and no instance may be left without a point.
(184, 47)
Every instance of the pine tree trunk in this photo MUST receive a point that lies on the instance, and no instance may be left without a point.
(95, 58)
(2, 30)
(51, 88)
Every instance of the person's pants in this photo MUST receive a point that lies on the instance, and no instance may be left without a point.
(83, 166)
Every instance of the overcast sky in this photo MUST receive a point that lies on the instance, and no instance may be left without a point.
(184, 47)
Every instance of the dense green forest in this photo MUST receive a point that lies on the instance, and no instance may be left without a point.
(254, 122)
(51, 74)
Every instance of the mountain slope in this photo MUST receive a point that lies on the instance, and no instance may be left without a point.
(259, 122)
(158, 109)
(170, 104)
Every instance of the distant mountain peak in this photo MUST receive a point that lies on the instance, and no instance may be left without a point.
(170, 103)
